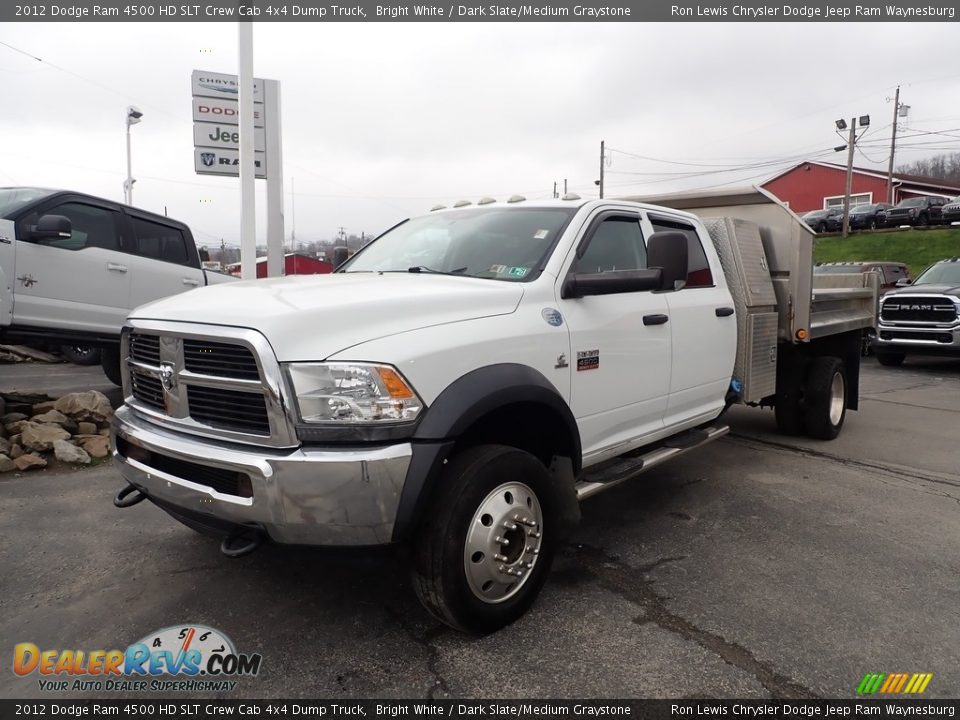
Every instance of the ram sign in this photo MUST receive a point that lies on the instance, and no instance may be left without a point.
(218, 161)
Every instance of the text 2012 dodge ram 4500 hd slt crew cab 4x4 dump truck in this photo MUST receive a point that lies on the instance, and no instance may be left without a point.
(471, 375)
(72, 266)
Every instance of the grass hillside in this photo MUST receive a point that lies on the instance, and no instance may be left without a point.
(916, 248)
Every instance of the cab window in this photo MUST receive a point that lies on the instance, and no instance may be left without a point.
(616, 244)
(92, 226)
(160, 242)
(698, 273)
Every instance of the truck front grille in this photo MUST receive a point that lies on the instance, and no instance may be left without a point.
(918, 308)
(220, 359)
(229, 409)
(228, 482)
(209, 387)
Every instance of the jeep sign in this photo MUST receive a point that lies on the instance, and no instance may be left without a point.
(219, 135)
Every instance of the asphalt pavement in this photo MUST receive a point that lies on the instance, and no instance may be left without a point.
(758, 566)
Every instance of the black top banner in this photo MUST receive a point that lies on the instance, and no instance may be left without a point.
(478, 11)
(185, 708)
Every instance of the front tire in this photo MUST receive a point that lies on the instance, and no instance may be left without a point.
(485, 549)
(81, 354)
(888, 359)
(825, 398)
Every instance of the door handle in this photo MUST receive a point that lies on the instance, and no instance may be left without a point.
(655, 319)
(116, 268)
(189, 281)
(724, 311)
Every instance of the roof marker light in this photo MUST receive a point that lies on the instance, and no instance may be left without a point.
(570, 196)
(437, 207)
(516, 199)
(462, 203)
(486, 201)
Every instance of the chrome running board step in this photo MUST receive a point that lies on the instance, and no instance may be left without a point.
(610, 474)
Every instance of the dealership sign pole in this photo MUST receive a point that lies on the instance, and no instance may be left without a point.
(248, 225)
(217, 134)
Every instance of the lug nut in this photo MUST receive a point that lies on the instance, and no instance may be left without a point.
(501, 540)
(534, 534)
(501, 558)
(509, 525)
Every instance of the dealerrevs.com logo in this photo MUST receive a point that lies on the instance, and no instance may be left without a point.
(187, 658)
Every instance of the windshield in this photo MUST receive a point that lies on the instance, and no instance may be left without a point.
(946, 273)
(859, 209)
(815, 214)
(912, 202)
(496, 243)
(12, 199)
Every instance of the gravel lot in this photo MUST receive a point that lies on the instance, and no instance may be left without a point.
(759, 566)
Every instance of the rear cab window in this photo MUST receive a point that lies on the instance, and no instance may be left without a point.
(160, 241)
(698, 272)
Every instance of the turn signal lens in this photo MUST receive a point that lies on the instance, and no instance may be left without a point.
(394, 384)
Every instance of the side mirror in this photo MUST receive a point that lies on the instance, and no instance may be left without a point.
(903, 282)
(611, 283)
(667, 250)
(340, 255)
(50, 227)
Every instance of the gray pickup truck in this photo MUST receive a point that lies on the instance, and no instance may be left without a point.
(72, 266)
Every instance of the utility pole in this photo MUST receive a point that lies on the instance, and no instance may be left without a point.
(603, 145)
(554, 189)
(564, 186)
(893, 145)
(846, 195)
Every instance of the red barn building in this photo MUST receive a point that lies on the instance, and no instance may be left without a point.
(815, 185)
(293, 264)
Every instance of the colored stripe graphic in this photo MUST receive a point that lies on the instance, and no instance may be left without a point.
(894, 683)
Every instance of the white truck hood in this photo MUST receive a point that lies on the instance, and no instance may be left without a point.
(311, 317)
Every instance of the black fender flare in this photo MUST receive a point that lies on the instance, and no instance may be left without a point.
(459, 406)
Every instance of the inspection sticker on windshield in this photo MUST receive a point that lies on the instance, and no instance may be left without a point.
(540, 234)
(498, 269)
(588, 360)
(518, 271)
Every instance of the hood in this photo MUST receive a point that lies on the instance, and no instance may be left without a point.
(930, 289)
(311, 317)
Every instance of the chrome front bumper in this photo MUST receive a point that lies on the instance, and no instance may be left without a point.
(927, 338)
(299, 496)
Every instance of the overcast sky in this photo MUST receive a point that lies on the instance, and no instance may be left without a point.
(381, 121)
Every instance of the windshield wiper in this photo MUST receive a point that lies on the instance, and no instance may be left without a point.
(425, 269)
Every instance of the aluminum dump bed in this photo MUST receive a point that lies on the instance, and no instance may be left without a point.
(808, 306)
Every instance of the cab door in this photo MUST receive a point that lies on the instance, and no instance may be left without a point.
(8, 270)
(78, 283)
(704, 327)
(163, 261)
(620, 343)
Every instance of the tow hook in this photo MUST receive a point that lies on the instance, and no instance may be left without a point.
(243, 542)
(128, 497)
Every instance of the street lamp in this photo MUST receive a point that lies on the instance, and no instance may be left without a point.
(134, 115)
(849, 147)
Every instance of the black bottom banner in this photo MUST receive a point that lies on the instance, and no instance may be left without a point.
(493, 709)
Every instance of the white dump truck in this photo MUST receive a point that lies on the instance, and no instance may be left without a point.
(466, 379)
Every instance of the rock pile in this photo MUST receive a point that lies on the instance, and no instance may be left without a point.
(74, 428)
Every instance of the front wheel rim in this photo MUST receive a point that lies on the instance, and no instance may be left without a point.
(837, 398)
(503, 543)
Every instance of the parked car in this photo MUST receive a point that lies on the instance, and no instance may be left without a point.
(916, 211)
(829, 220)
(72, 266)
(951, 212)
(922, 317)
(868, 217)
(890, 272)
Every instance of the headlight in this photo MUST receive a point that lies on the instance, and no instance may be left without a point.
(352, 394)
